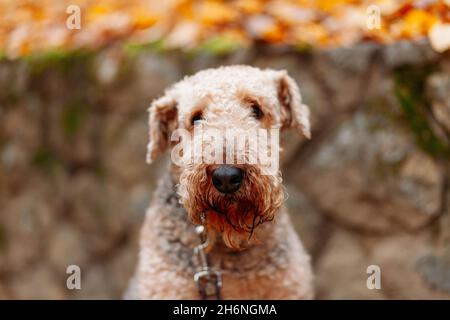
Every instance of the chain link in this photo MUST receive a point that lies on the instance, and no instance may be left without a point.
(208, 280)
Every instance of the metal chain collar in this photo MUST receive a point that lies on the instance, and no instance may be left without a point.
(208, 280)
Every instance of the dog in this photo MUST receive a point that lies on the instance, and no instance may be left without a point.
(244, 245)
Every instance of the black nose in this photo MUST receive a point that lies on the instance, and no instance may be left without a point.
(227, 179)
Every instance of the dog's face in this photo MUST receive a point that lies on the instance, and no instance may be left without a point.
(234, 196)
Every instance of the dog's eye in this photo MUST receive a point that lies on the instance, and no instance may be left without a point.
(197, 117)
(256, 111)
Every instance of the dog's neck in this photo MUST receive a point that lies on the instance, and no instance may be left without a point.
(177, 237)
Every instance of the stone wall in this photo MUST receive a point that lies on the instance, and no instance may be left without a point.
(370, 188)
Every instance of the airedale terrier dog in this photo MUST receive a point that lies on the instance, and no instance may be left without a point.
(244, 246)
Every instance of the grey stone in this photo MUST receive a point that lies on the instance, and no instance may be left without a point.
(436, 271)
(438, 86)
(408, 53)
(371, 176)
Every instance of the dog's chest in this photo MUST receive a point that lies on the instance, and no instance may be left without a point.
(247, 273)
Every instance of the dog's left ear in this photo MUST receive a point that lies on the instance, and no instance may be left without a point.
(293, 112)
(162, 122)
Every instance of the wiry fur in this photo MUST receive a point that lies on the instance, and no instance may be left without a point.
(241, 220)
(233, 216)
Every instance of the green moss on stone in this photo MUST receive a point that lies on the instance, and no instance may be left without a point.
(61, 60)
(219, 46)
(133, 49)
(44, 158)
(3, 238)
(304, 48)
(410, 82)
(73, 116)
(216, 46)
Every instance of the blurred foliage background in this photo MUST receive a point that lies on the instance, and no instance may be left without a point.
(34, 26)
(371, 187)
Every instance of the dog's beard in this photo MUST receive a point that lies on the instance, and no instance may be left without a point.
(234, 216)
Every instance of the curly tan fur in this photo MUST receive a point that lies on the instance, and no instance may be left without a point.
(255, 245)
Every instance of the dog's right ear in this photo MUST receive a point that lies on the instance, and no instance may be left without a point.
(162, 122)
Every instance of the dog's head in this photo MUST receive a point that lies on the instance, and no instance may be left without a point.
(235, 113)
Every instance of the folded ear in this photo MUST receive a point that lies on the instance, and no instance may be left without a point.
(162, 122)
(293, 112)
